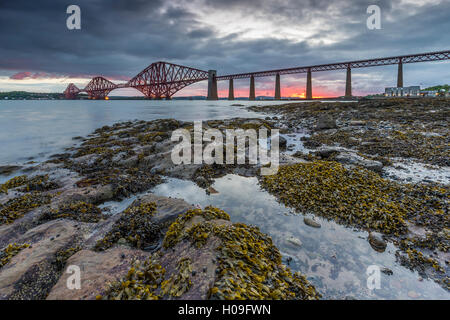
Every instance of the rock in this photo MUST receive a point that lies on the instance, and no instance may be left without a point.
(158, 138)
(413, 295)
(282, 143)
(294, 241)
(357, 123)
(326, 152)
(97, 269)
(377, 242)
(167, 210)
(325, 122)
(211, 190)
(310, 222)
(34, 270)
(353, 140)
(387, 271)
(7, 170)
(354, 159)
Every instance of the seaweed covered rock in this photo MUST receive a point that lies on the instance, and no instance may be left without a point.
(205, 256)
(79, 211)
(10, 251)
(361, 198)
(27, 184)
(98, 270)
(35, 266)
(353, 197)
(134, 226)
(17, 207)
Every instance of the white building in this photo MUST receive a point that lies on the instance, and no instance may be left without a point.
(413, 91)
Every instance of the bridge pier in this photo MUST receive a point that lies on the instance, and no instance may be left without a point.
(277, 87)
(308, 85)
(212, 85)
(400, 73)
(348, 83)
(252, 89)
(231, 90)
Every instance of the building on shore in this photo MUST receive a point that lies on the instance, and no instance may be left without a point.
(429, 93)
(412, 91)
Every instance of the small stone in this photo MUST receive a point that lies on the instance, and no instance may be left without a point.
(387, 271)
(122, 241)
(325, 122)
(413, 295)
(377, 242)
(294, 241)
(310, 222)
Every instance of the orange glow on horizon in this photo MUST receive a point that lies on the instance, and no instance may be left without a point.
(287, 93)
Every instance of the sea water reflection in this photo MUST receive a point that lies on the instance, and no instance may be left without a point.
(334, 258)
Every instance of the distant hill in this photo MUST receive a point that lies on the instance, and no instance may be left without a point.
(446, 87)
(24, 95)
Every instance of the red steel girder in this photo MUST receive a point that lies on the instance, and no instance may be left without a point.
(99, 88)
(421, 57)
(71, 91)
(163, 79)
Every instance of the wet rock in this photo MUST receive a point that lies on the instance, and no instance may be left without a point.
(310, 222)
(152, 228)
(294, 241)
(7, 170)
(387, 271)
(34, 270)
(377, 242)
(282, 143)
(325, 122)
(354, 159)
(357, 123)
(98, 269)
(325, 153)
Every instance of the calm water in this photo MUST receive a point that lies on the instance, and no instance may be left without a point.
(333, 257)
(33, 130)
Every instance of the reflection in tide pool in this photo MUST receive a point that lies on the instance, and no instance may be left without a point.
(334, 258)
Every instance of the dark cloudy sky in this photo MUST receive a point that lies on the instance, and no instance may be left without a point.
(120, 38)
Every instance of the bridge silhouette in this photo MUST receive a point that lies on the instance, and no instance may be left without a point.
(163, 79)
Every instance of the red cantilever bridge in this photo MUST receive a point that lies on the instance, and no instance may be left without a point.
(162, 79)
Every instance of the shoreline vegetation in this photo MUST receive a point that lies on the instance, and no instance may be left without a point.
(349, 171)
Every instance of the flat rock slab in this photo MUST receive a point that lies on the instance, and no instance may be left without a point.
(98, 269)
(34, 270)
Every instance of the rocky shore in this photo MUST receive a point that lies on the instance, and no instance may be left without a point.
(158, 248)
(352, 170)
(351, 167)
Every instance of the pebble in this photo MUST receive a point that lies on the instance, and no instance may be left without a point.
(412, 294)
(387, 271)
(377, 242)
(294, 241)
(310, 222)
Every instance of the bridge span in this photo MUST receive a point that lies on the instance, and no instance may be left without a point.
(163, 79)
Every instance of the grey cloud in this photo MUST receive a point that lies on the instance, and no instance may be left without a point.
(120, 38)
